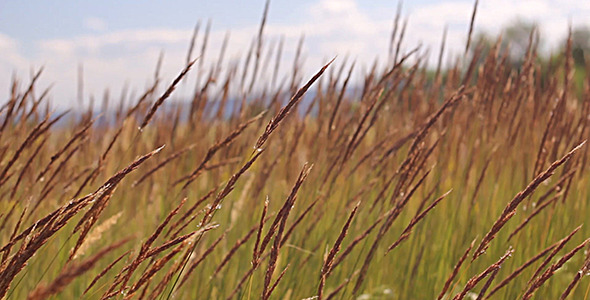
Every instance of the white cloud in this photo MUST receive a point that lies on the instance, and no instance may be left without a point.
(331, 27)
(6, 42)
(95, 24)
(336, 6)
(426, 22)
(93, 43)
(10, 52)
(10, 60)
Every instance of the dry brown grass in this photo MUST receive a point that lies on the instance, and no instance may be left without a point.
(227, 211)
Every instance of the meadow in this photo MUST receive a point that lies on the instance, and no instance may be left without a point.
(463, 182)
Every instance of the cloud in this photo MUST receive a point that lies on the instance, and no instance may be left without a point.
(114, 58)
(95, 24)
(11, 55)
(93, 43)
(10, 60)
(110, 61)
(553, 17)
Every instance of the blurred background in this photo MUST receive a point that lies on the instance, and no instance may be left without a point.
(117, 43)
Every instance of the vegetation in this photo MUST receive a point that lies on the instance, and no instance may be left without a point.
(469, 183)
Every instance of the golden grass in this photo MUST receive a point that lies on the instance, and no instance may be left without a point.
(231, 208)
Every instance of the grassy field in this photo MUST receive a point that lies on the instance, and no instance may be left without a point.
(468, 182)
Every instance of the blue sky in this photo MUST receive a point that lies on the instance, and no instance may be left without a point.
(118, 42)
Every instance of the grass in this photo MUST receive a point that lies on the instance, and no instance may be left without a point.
(469, 183)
